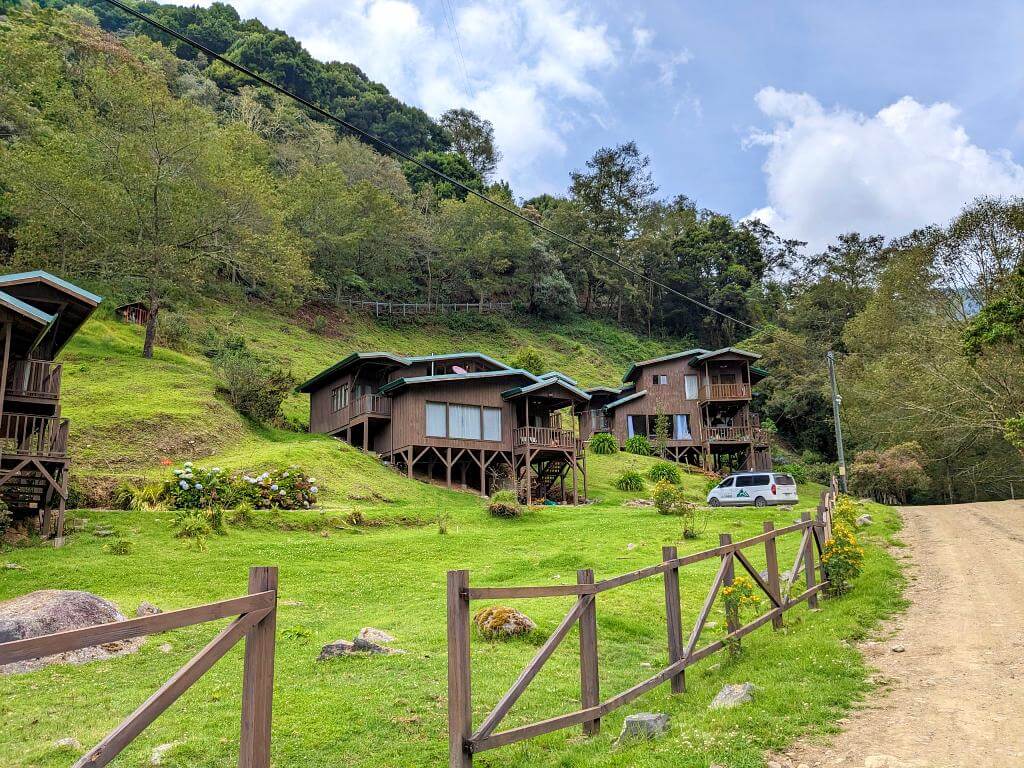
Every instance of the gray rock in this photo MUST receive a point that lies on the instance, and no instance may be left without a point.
(146, 608)
(644, 725)
(335, 649)
(14, 567)
(68, 742)
(57, 610)
(374, 635)
(732, 695)
(864, 521)
(368, 646)
(898, 649)
(103, 533)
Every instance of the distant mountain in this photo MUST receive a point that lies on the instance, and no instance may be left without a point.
(339, 87)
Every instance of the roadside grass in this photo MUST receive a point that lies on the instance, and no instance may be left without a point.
(391, 711)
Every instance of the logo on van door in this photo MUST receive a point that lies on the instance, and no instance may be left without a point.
(742, 495)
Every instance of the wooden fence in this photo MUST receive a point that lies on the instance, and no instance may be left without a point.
(256, 618)
(464, 742)
(399, 308)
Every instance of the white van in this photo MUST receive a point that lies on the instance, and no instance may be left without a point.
(757, 488)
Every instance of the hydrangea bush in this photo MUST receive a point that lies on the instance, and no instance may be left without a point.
(195, 487)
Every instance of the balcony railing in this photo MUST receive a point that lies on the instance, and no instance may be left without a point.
(24, 435)
(725, 392)
(747, 433)
(374, 405)
(545, 437)
(34, 378)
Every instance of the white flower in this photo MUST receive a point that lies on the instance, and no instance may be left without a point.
(285, 475)
(199, 486)
(311, 479)
(282, 493)
(216, 469)
(314, 490)
(273, 487)
(177, 471)
(188, 464)
(183, 484)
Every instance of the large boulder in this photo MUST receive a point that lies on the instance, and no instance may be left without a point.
(733, 695)
(499, 622)
(58, 610)
(644, 725)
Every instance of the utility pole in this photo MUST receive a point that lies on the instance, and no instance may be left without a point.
(836, 400)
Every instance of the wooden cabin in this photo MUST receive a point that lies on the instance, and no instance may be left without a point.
(462, 418)
(134, 312)
(706, 396)
(39, 313)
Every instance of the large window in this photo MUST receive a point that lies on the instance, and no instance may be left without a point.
(463, 422)
(691, 386)
(647, 425)
(681, 427)
(339, 398)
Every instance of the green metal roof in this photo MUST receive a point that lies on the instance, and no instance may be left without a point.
(56, 282)
(732, 350)
(624, 400)
(545, 382)
(559, 375)
(392, 358)
(398, 383)
(663, 359)
(17, 305)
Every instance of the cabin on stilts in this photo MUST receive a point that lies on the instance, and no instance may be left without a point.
(463, 419)
(39, 314)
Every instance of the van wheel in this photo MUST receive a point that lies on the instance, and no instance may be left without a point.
(760, 501)
(715, 502)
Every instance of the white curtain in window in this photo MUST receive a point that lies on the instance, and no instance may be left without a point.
(492, 423)
(464, 421)
(436, 420)
(682, 427)
(629, 426)
(691, 386)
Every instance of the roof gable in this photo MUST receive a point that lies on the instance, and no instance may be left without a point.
(728, 351)
(40, 276)
(397, 384)
(634, 369)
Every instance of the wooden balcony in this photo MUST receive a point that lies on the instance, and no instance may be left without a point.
(712, 392)
(739, 434)
(545, 437)
(34, 379)
(33, 436)
(370, 405)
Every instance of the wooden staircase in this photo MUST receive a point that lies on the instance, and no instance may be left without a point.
(546, 479)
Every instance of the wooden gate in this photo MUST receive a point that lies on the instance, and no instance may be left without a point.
(464, 741)
(256, 618)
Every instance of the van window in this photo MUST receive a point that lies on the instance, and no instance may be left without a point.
(751, 481)
(784, 480)
(727, 483)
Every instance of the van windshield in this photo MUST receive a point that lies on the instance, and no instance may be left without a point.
(784, 480)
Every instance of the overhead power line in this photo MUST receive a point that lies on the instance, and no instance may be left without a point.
(453, 27)
(388, 147)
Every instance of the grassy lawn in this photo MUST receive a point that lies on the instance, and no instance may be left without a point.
(390, 711)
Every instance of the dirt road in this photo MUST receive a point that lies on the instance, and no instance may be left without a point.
(955, 694)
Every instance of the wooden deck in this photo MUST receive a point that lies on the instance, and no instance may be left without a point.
(724, 392)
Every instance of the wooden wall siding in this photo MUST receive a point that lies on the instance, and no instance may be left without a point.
(670, 398)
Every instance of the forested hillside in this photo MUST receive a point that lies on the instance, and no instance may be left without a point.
(139, 169)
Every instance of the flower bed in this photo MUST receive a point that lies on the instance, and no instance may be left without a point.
(200, 488)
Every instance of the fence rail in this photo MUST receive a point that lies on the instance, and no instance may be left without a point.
(34, 378)
(256, 616)
(464, 741)
(402, 308)
(25, 435)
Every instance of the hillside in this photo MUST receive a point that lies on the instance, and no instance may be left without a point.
(129, 414)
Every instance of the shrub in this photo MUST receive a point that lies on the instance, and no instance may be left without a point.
(6, 517)
(505, 504)
(737, 598)
(255, 386)
(639, 445)
(191, 524)
(119, 547)
(530, 359)
(215, 519)
(797, 469)
(665, 470)
(890, 475)
(604, 444)
(172, 330)
(843, 558)
(630, 480)
(670, 499)
(845, 511)
(194, 487)
(243, 516)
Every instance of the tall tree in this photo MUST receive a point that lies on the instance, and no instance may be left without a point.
(473, 136)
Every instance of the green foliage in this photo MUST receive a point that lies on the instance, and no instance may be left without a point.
(670, 499)
(846, 511)
(6, 517)
(604, 444)
(191, 524)
(630, 480)
(119, 547)
(665, 470)
(280, 488)
(173, 330)
(452, 165)
(255, 386)
(892, 474)
(504, 504)
(662, 432)
(738, 599)
(797, 469)
(842, 558)
(473, 137)
(639, 445)
(530, 359)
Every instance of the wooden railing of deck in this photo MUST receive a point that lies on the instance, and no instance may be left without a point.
(544, 437)
(34, 378)
(24, 435)
(725, 392)
(375, 405)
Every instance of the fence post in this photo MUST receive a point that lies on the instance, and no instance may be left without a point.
(460, 711)
(673, 619)
(809, 567)
(771, 558)
(258, 678)
(590, 685)
(724, 540)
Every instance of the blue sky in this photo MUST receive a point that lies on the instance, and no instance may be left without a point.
(818, 117)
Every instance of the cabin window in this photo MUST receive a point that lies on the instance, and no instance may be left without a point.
(681, 427)
(492, 423)
(464, 422)
(661, 378)
(691, 386)
(437, 419)
(339, 398)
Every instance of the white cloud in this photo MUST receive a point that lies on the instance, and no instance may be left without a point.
(531, 65)
(830, 171)
(668, 65)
